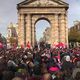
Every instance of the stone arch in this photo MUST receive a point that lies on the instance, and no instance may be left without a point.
(47, 27)
(43, 18)
(30, 11)
(35, 19)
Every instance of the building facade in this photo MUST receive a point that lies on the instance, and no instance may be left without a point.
(76, 26)
(12, 35)
(74, 34)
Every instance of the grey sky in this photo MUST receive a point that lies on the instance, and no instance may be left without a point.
(8, 13)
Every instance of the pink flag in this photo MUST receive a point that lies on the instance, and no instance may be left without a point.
(53, 68)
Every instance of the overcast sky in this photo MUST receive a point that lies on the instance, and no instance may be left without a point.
(8, 13)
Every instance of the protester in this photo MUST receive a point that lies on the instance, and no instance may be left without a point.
(40, 63)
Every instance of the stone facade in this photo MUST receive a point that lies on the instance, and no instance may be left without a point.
(54, 11)
(12, 33)
(76, 26)
(76, 29)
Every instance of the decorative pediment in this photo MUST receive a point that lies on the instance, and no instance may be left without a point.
(42, 3)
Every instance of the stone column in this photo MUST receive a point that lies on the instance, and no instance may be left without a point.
(62, 28)
(21, 29)
(66, 30)
(32, 33)
(56, 27)
(28, 28)
(25, 22)
(54, 30)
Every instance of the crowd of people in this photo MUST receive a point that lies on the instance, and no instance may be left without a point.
(42, 63)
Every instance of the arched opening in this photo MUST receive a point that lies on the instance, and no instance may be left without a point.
(42, 27)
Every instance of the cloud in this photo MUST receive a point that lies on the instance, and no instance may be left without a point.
(8, 12)
(73, 12)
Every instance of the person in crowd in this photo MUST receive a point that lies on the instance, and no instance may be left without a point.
(17, 78)
(40, 63)
(76, 70)
(77, 77)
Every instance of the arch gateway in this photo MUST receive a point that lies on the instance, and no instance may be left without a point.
(30, 11)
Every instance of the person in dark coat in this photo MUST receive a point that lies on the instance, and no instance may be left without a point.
(67, 65)
(67, 68)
